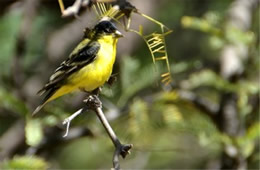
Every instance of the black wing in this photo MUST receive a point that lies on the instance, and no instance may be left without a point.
(75, 62)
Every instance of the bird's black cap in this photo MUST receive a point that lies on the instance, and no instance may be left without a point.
(105, 26)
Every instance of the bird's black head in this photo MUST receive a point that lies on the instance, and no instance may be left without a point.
(107, 28)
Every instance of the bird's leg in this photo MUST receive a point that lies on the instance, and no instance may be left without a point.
(95, 104)
(112, 79)
(96, 92)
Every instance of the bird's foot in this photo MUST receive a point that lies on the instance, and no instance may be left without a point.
(93, 102)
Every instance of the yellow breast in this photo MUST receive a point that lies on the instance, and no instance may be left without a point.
(98, 72)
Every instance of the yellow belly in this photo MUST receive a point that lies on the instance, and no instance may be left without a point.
(94, 74)
(97, 73)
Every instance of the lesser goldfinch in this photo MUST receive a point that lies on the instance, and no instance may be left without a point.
(89, 65)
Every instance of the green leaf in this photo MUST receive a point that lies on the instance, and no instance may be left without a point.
(25, 162)
(216, 42)
(237, 36)
(254, 131)
(247, 143)
(213, 17)
(199, 24)
(33, 132)
(248, 149)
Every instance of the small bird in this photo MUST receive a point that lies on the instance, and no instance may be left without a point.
(89, 65)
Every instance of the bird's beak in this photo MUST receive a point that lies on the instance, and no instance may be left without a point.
(118, 34)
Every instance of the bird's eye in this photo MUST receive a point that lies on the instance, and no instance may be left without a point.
(107, 30)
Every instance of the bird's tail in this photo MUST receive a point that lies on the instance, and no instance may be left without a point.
(40, 92)
(38, 108)
(46, 99)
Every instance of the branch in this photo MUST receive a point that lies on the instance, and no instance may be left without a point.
(74, 9)
(95, 104)
(92, 102)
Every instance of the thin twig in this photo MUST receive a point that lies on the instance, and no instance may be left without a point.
(74, 9)
(70, 118)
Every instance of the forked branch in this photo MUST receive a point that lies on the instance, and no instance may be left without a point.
(92, 102)
(95, 104)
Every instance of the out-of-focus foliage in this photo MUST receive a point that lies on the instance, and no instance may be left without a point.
(25, 162)
(8, 30)
(10, 102)
(167, 129)
(33, 132)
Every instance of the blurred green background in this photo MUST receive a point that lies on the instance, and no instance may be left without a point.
(208, 118)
